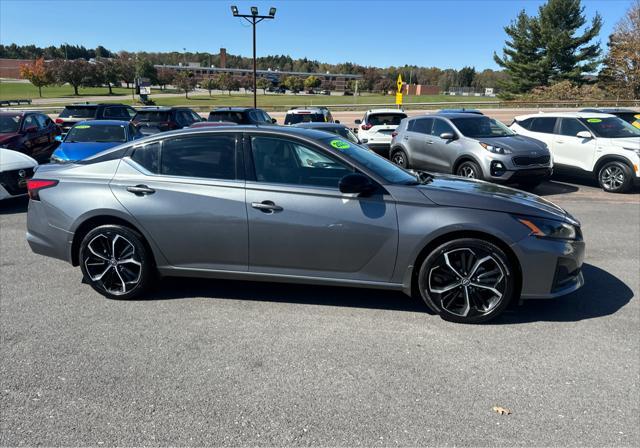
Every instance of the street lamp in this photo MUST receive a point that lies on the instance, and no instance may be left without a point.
(254, 18)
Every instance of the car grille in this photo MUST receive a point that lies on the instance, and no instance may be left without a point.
(528, 160)
(14, 183)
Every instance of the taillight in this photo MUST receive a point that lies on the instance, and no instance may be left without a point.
(59, 121)
(393, 134)
(35, 185)
(366, 127)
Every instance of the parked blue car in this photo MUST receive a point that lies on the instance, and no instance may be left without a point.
(90, 137)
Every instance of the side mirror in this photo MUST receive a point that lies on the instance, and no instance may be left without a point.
(358, 122)
(447, 136)
(356, 183)
(58, 138)
(365, 140)
(274, 121)
(31, 129)
(584, 134)
(337, 121)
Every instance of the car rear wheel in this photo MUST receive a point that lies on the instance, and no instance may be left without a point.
(399, 157)
(470, 170)
(467, 280)
(615, 177)
(115, 262)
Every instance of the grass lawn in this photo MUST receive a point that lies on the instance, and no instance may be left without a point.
(25, 90)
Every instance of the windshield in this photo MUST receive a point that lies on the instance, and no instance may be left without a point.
(611, 127)
(385, 119)
(481, 127)
(147, 116)
(382, 167)
(303, 118)
(9, 123)
(99, 134)
(234, 117)
(78, 112)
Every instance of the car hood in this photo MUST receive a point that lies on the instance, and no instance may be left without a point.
(519, 144)
(5, 137)
(454, 191)
(628, 142)
(14, 160)
(81, 150)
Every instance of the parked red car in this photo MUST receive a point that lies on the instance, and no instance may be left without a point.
(31, 133)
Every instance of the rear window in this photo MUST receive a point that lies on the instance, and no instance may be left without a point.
(151, 115)
(385, 119)
(78, 112)
(234, 117)
(303, 118)
(629, 117)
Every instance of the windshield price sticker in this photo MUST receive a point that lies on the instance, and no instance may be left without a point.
(339, 144)
(83, 126)
(594, 120)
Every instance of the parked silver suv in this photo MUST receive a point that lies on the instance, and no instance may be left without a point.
(470, 145)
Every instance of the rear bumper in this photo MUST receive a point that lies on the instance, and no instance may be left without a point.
(45, 239)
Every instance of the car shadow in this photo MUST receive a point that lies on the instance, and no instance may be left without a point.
(551, 187)
(14, 205)
(602, 295)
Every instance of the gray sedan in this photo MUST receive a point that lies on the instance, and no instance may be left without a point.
(298, 205)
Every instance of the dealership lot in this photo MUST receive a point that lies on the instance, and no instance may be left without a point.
(221, 362)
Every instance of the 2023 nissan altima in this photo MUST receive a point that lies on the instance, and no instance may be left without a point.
(298, 205)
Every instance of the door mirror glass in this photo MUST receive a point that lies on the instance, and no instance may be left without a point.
(358, 122)
(58, 138)
(447, 136)
(584, 134)
(356, 183)
(337, 121)
(274, 121)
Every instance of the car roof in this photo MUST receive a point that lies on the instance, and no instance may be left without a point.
(386, 111)
(316, 109)
(564, 114)
(232, 109)
(451, 115)
(319, 125)
(608, 110)
(159, 108)
(104, 122)
(461, 110)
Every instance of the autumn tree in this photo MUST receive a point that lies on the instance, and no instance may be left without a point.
(620, 74)
(127, 70)
(76, 73)
(293, 83)
(109, 73)
(312, 82)
(38, 74)
(185, 81)
(165, 77)
(264, 84)
(209, 84)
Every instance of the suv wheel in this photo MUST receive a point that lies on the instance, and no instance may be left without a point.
(470, 170)
(615, 177)
(467, 280)
(399, 157)
(115, 262)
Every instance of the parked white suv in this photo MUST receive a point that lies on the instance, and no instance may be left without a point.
(598, 143)
(376, 127)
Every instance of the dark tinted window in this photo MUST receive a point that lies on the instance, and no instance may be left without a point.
(29, 121)
(611, 127)
(303, 118)
(78, 112)
(117, 113)
(283, 161)
(9, 123)
(43, 121)
(209, 156)
(382, 119)
(96, 133)
(148, 156)
(440, 127)
(543, 124)
(421, 125)
(479, 126)
(570, 127)
(234, 117)
(152, 116)
(525, 123)
(629, 117)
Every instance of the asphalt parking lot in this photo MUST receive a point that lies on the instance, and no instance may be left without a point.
(237, 363)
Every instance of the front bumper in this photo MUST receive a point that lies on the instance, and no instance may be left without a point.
(550, 268)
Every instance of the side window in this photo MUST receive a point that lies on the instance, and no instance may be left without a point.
(440, 127)
(422, 125)
(208, 156)
(525, 123)
(181, 119)
(147, 156)
(195, 117)
(543, 124)
(570, 127)
(282, 161)
(116, 112)
(131, 112)
(132, 131)
(42, 121)
(29, 121)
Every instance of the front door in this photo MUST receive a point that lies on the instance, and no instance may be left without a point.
(301, 224)
(445, 152)
(187, 195)
(571, 150)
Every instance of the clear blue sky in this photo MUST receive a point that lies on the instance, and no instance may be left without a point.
(437, 33)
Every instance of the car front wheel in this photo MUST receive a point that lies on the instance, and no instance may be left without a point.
(470, 170)
(467, 280)
(615, 177)
(115, 262)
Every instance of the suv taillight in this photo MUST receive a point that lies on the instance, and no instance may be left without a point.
(393, 134)
(35, 185)
(59, 121)
(366, 126)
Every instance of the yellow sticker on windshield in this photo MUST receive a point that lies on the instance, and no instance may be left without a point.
(82, 126)
(594, 120)
(339, 144)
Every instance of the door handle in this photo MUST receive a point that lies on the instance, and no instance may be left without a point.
(140, 190)
(559, 141)
(429, 142)
(266, 206)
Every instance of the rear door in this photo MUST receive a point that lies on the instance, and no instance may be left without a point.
(571, 150)
(420, 143)
(187, 192)
(300, 224)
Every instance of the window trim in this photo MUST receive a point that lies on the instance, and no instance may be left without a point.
(557, 127)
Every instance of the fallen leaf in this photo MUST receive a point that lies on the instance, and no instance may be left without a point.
(502, 411)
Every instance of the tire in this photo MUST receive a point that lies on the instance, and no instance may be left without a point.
(106, 272)
(470, 170)
(615, 177)
(449, 286)
(399, 157)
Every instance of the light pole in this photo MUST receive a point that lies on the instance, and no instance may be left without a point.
(254, 19)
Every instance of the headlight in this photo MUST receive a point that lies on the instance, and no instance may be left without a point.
(495, 149)
(636, 150)
(548, 228)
